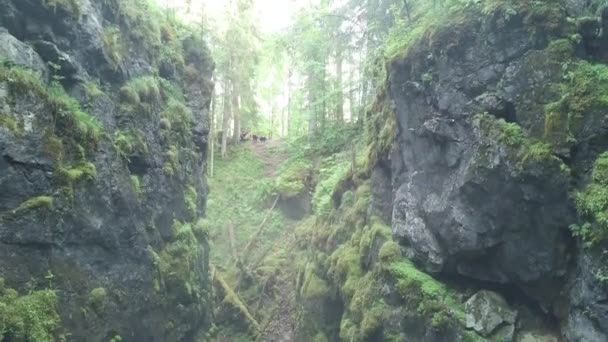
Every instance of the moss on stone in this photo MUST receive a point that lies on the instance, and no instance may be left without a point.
(592, 205)
(97, 299)
(191, 200)
(82, 171)
(141, 94)
(136, 185)
(71, 121)
(390, 252)
(292, 177)
(320, 337)
(313, 286)
(39, 202)
(113, 45)
(9, 123)
(372, 321)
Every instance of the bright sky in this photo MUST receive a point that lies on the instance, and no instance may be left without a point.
(274, 15)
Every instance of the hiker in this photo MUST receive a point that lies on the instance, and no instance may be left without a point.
(244, 136)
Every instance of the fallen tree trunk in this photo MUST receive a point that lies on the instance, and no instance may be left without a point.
(259, 231)
(232, 298)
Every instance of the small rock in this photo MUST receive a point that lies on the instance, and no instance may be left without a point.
(486, 311)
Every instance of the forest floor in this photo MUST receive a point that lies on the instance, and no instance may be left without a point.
(246, 224)
(271, 154)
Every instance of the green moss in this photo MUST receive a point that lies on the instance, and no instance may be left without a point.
(191, 199)
(379, 130)
(93, 90)
(372, 321)
(140, 94)
(313, 287)
(179, 277)
(292, 178)
(333, 171)
(390, 252)
(592, 205)
(525, 152)
(136, 185)
(97, 299)
(562, 49)
(71, 122)
(40, 202)
(9, 123)
(320, 337)
(113, 45)
(168, 169)
(201, 230)
(180, 120)
(28, 318)
(83, 171)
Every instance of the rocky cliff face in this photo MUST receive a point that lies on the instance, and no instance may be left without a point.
(500, 119)
(103, 126)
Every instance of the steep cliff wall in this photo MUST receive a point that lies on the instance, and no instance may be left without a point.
(103, 126)
(500, 117)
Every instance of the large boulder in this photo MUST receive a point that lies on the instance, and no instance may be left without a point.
(14, 51)
(486, 311)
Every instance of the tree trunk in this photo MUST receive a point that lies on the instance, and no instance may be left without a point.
(211, 138)
(312, 118)
(340, 90)
(236, 112)
(289, 100)
(226, 118)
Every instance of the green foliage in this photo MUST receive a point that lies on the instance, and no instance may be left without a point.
(180, 119)
(113, 45)
(527, 153)
(141, 22)
(331, 173)
(32, 317)
(9, 122)
(592, 205)
(97, 299)
(93, 90)
(235, 201)
(293, 177)
(140, 93)
(430, 297)
(83, 171)
(71, 122)
(313, 287)
(179, 279)
(128, 143)
(39, 202)
(390, 252)
(191, 200)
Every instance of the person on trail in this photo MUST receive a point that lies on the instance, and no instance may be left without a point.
(244, 136)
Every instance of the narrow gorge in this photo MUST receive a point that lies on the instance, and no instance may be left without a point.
(366, 170)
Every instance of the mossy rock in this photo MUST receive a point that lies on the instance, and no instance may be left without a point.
(97, 299)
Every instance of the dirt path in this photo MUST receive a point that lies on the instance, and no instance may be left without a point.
(270, 154)
(283, 325)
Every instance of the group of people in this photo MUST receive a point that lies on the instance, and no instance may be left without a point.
(246, 135)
